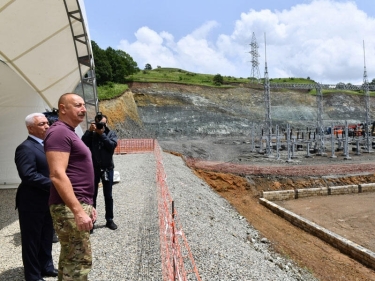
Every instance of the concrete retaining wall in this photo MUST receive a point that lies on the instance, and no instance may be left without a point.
(346, 246)
(347, 189)
(367, 187)
(281, 195)
(307, 192)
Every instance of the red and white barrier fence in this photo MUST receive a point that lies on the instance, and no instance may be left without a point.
(176, 258)
(134, 146)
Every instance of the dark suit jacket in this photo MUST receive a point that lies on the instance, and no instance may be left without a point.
(32, 166)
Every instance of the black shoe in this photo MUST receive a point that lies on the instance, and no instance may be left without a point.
(55, 239)
(91, 230)
(52, 273)
(111, 225)
(40, 279)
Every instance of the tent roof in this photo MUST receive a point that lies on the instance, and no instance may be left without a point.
(38, 63)
(37, 43)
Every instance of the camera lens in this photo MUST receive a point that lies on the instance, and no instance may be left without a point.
(99, 125)
(99, 116)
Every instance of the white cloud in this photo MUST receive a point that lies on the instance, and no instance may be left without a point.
(151, 47)
(321, 40)
(192, 52)
(203, 31)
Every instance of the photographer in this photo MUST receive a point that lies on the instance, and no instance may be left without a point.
(102, 143)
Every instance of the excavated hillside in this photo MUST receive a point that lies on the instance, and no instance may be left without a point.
(217, 123)
(211, 128)
(172, 110)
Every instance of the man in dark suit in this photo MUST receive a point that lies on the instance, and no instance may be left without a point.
(32, 201)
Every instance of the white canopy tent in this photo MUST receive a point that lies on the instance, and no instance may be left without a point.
(45, 51)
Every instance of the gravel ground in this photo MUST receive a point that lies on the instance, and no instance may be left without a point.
(224, 246)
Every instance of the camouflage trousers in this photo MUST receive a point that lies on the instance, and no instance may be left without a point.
(75, 257)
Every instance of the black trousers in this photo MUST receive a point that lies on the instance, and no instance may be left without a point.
(36, 240)
(107, 192)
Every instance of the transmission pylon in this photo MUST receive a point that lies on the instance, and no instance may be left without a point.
(319, 121)
(255, 74)
(368, 133)
(267, 103)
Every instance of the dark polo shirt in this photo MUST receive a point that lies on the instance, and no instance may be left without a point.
(62, 137)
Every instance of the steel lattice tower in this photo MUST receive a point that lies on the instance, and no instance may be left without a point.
(319, 121)
(367, 101)
(267, 103)
(255, 74)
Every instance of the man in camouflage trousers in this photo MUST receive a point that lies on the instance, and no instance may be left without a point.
(77, 255)
(72, 191)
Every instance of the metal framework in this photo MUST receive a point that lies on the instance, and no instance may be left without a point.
(368, 144)
(320, 148)
(87, 86)
(255, 74)
(267, 103)
(319, 121)
(319, 101)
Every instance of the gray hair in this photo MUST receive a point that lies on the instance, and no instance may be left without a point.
(29, 120)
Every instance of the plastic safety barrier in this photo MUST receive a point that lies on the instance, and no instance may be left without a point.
(176, 258)
(134, 146)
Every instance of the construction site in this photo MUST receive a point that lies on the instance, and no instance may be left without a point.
(220, 133)
(248, 142)
(251, 139)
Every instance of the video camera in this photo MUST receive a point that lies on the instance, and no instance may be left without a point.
(99, 125)
(52, 116)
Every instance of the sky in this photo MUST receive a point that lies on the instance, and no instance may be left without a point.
(330, 41)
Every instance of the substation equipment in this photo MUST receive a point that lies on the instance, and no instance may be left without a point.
(314, 140)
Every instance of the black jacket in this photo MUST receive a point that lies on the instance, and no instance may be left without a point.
(31, 162)
(102, 148)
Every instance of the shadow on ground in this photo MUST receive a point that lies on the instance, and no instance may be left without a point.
(8, 214)
(14, 274)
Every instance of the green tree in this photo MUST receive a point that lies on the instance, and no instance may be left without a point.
(129, 65)
(372, 82)
(148, 66)
(121, 63)
(218, 79)
(103, 70)
(112, 65)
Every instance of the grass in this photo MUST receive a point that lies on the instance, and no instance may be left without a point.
(111, 90)
(176, 75)
(291, 80)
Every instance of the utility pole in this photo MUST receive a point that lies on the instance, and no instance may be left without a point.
(267, 103)
(368, 145)
(255, 74)
(319, 125)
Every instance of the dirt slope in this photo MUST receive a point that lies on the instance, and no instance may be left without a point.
(170, 111)
(323, 260)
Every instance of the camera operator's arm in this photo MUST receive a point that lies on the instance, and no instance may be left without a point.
(109, 140)
(87, 136)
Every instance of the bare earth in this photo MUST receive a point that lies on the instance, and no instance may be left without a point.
(354, 220)
(326, 262)
(351, 216)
